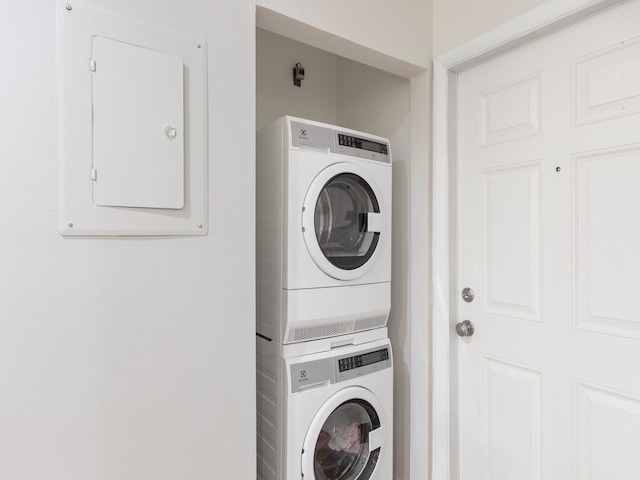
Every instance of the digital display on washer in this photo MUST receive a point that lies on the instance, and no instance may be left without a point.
(355, 142)
(357, 361)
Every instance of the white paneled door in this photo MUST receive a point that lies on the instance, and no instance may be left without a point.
(549, 242)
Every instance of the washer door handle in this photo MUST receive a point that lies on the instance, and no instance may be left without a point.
(314, 386)
(376, 438)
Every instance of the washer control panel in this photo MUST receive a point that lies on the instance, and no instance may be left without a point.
(362, 363)
(325, 371)
(362, 360)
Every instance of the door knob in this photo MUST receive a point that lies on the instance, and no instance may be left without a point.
(465, 328)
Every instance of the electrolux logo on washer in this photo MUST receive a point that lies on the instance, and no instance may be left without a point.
(316, 372)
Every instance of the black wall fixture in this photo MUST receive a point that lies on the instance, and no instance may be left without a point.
(298, 75)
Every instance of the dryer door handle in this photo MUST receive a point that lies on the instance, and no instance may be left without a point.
(375, 222)
(376, 438)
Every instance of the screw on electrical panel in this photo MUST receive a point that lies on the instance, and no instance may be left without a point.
(199, 225)
(558, 169)
(68, 6)
(199, 46)
(70, 225)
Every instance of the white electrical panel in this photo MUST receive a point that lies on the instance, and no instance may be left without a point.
(138, 127)
(132, 126)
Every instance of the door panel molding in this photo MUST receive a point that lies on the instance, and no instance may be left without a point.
(504, 384)
(604, 302)
(516, 248)
(615, 65)
(600, 414)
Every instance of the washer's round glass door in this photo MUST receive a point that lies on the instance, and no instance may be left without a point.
(342, 221)
(342, 450)
(345, 440)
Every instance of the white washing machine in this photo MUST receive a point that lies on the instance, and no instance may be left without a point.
(325, 416)
(323, 231)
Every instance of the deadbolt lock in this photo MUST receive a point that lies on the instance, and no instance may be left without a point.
(468, 295)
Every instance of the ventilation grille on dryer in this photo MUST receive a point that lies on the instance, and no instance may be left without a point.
(370, 323)
(306, 331)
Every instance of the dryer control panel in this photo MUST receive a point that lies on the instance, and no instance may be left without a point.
(325, 371)
(341, 141)
(362, 144)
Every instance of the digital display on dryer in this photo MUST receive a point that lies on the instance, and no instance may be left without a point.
(361, 143)
(365, 359)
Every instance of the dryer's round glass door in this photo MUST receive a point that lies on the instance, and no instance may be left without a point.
(342, 449)
(344, 210)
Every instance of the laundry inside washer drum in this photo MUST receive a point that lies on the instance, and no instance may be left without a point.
(341, 221)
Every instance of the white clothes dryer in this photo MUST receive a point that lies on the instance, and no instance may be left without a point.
(325, 416)
(323, 230)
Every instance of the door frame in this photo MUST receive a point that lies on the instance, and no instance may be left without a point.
(546, 18)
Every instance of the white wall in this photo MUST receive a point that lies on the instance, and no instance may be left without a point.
(399, 29)
(457, 21)
(125, 358)
(276, 95)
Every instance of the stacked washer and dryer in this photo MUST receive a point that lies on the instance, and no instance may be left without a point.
(323, 266)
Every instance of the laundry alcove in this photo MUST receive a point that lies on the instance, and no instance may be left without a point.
(341, 91)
